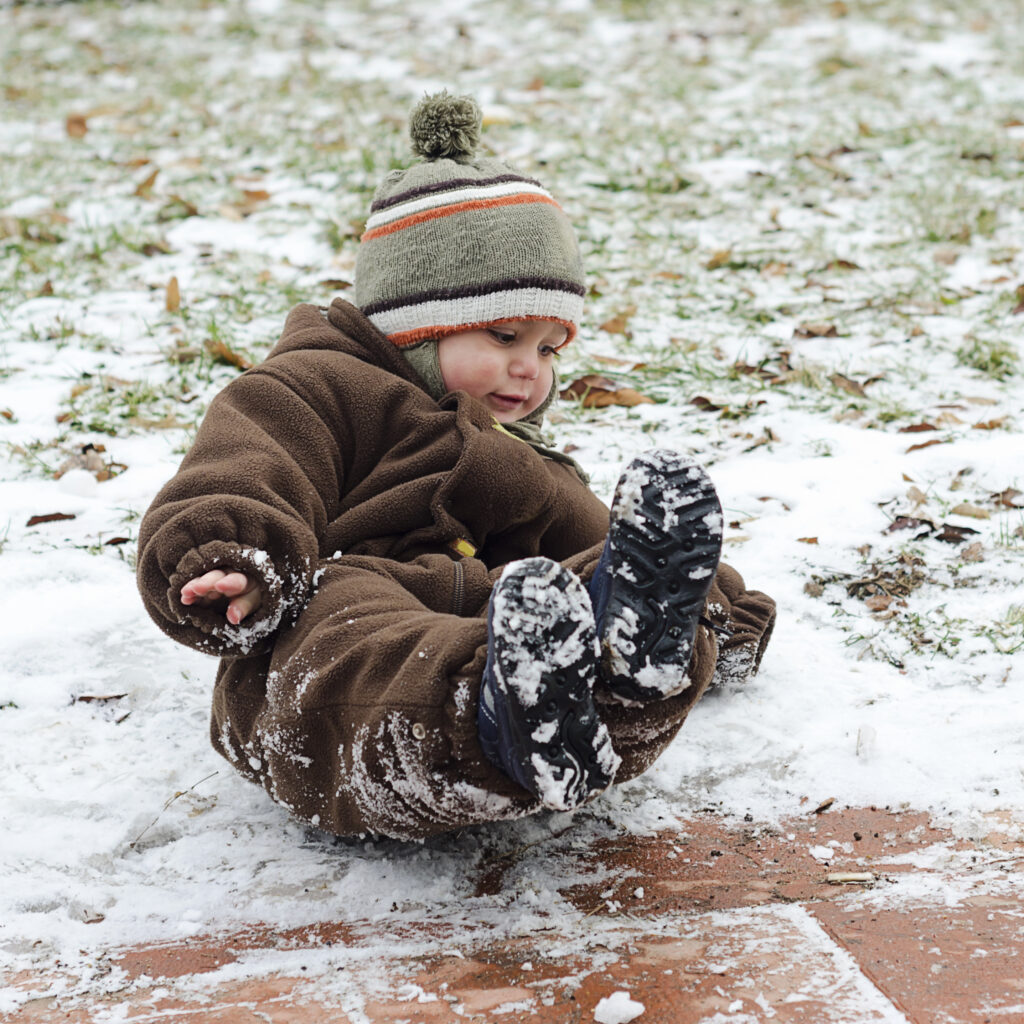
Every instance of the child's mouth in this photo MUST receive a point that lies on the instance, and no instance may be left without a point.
(508, 402)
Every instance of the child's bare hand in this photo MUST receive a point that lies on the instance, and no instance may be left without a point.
(241, 593)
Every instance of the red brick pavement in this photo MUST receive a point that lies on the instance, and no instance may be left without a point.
(718, 923)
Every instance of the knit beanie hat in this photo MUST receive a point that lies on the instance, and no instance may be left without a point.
(457, 241)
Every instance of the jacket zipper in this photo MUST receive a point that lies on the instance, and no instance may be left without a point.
(459, 595)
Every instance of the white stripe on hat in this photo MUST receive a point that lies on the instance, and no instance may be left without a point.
(509, 304)
(458, 195)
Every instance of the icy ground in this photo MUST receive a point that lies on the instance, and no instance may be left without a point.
(802, 225)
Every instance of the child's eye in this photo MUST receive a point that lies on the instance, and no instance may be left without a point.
(505, 337)
(548, 350)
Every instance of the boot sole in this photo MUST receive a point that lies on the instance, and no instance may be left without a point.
(545, 665)
(665, 543)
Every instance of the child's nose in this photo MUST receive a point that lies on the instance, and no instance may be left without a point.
(526, 364)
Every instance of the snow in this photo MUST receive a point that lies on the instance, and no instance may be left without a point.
(618, 1008)
(113, 802)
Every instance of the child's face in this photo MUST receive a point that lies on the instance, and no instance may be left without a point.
(508, 366)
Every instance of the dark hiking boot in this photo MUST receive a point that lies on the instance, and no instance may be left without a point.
(654, 574)
(536, 719)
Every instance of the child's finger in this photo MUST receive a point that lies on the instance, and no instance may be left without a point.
(243, 605)
(234, 584)
(200, 586)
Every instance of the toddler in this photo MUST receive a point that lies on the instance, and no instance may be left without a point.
(425, 618)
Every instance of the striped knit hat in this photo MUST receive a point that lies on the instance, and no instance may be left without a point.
(457, 242)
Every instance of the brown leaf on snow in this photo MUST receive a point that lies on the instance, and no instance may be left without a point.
(252, 200)
(1010, 498)
(224, 354)
(954, 534)
(990, 424)
(973, 511)
(596, 392)
(338, 284)
(77, 125)
(918, 428)
(878, 602)
(808, 540)
(760, 371)
(90, 459)
(612, 361)
(916, 495)
(908, 523)
(705, 404)
(973, 552)
(51, 517)
(619, 324)
(924, 444)
(718, 259)
(144, 189)
(1019, 308)
(172, 296)
(958, 480)
(848, 385)
(816, 330)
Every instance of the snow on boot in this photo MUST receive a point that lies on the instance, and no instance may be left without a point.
(654, 574)
(536, 719)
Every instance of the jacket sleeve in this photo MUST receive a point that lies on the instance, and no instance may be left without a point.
(254, 494)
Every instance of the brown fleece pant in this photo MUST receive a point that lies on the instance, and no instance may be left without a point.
(362, 719)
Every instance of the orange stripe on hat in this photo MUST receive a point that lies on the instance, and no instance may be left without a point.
(447, 211)
(405, 339)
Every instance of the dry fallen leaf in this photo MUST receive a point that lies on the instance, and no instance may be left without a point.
(718, 259)
(916, 495)
(918, 428)
(973, 511)
(1010, 498)
(144, 190)
(990, 424)
(954, 534)
(813, 589)
(808, 540)
(597, 392)
(848, 385)
(172, 297)
(705, 404)
(973, 552)
(878, 602)
(816, 330)
(336, 283)
(924, 444)
(77, 125)
(224, 354)
(619, 324)
(50, 517)
(908, 523)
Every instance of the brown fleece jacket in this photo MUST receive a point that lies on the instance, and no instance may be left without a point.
(330, 474)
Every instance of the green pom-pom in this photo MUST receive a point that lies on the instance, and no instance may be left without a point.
(445, 126)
